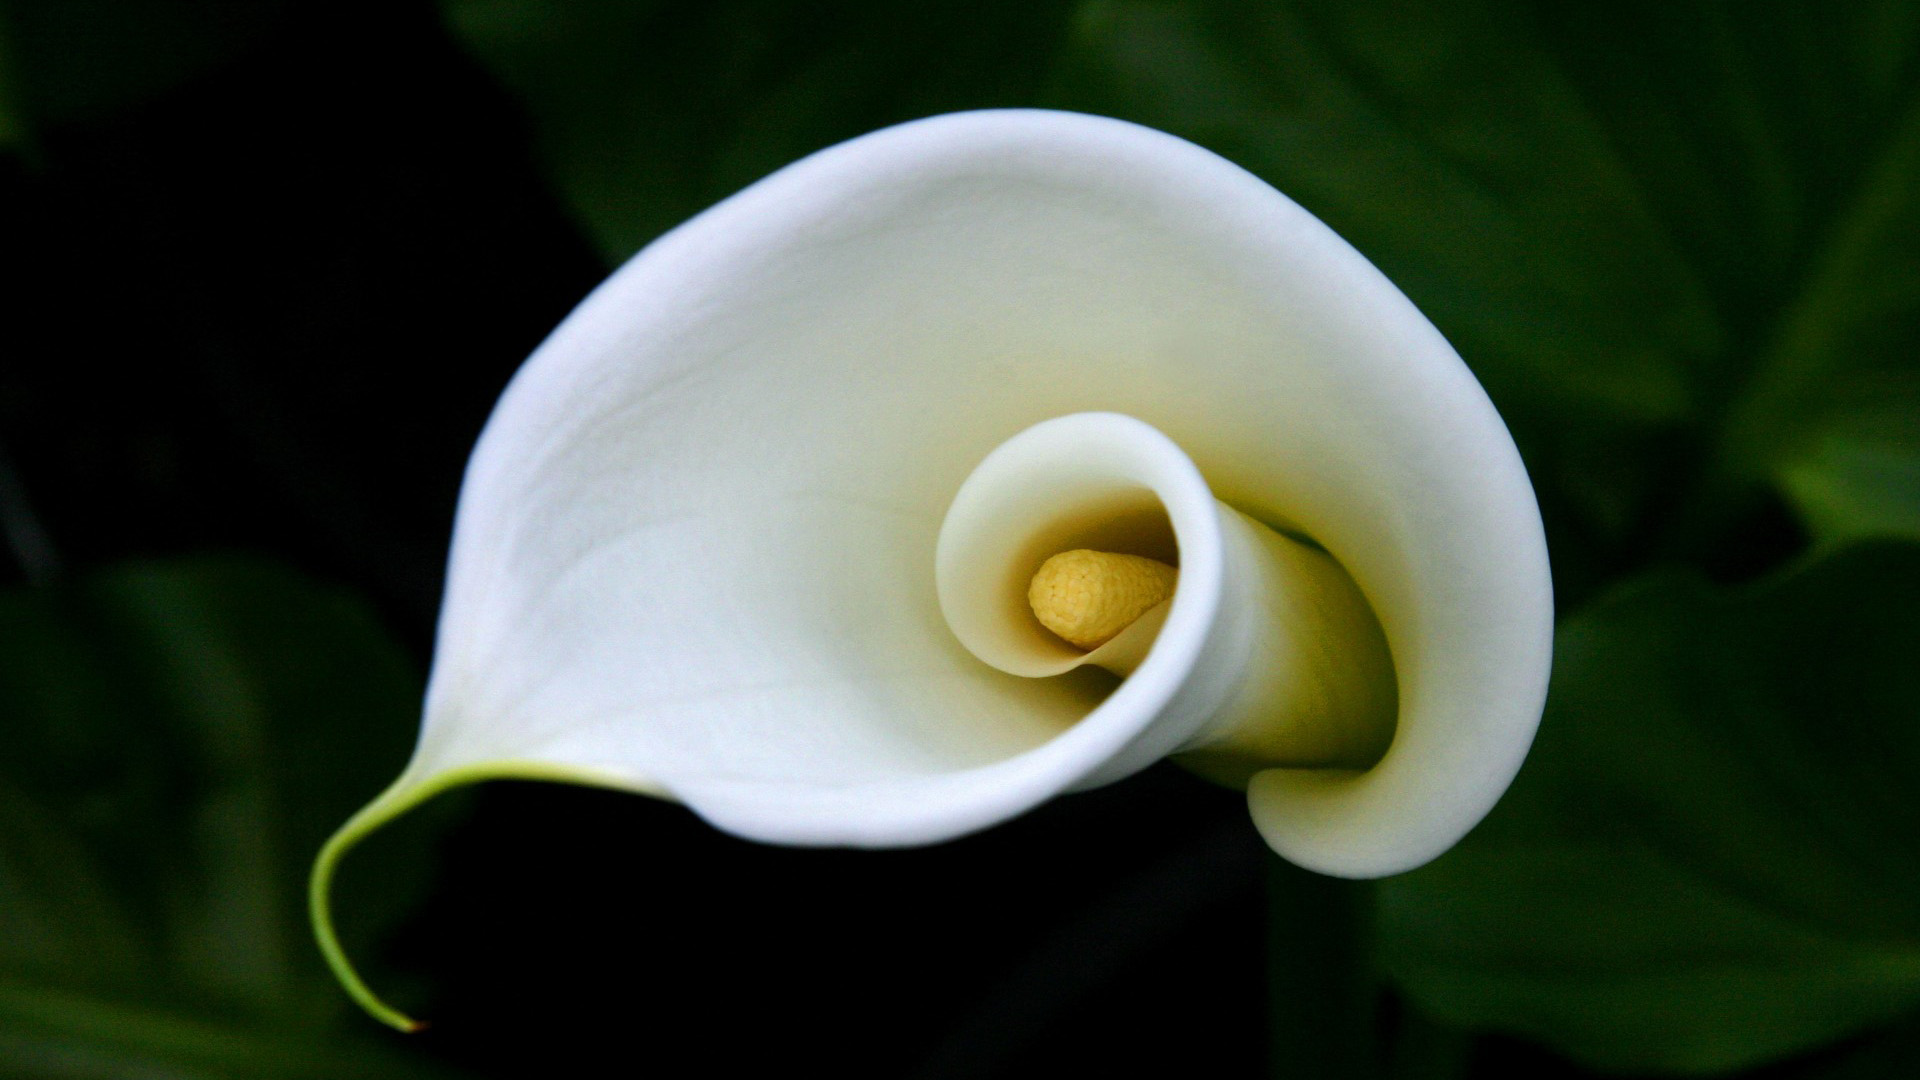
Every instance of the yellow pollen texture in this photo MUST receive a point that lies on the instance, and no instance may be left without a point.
(1088, 597)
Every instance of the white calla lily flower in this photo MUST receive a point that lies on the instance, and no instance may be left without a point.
(753, 528)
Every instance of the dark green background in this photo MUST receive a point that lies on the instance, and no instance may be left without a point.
(270, 263)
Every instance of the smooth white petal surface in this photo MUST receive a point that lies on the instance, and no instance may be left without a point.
(694, 553)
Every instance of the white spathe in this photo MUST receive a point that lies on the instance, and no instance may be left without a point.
(694, 550)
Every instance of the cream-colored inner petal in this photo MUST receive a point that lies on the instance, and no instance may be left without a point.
(1279, 661)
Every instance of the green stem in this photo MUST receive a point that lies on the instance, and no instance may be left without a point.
(405, 794)
(393, 802)
(1324, 993)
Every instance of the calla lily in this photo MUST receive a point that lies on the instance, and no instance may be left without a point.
(751, 528)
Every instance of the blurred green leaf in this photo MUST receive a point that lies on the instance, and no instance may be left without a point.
(84, 59)
(179, 739)
(645, 112)
(13, 128)
(1709, 859)
(1894, 1052)
(1857, 474)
